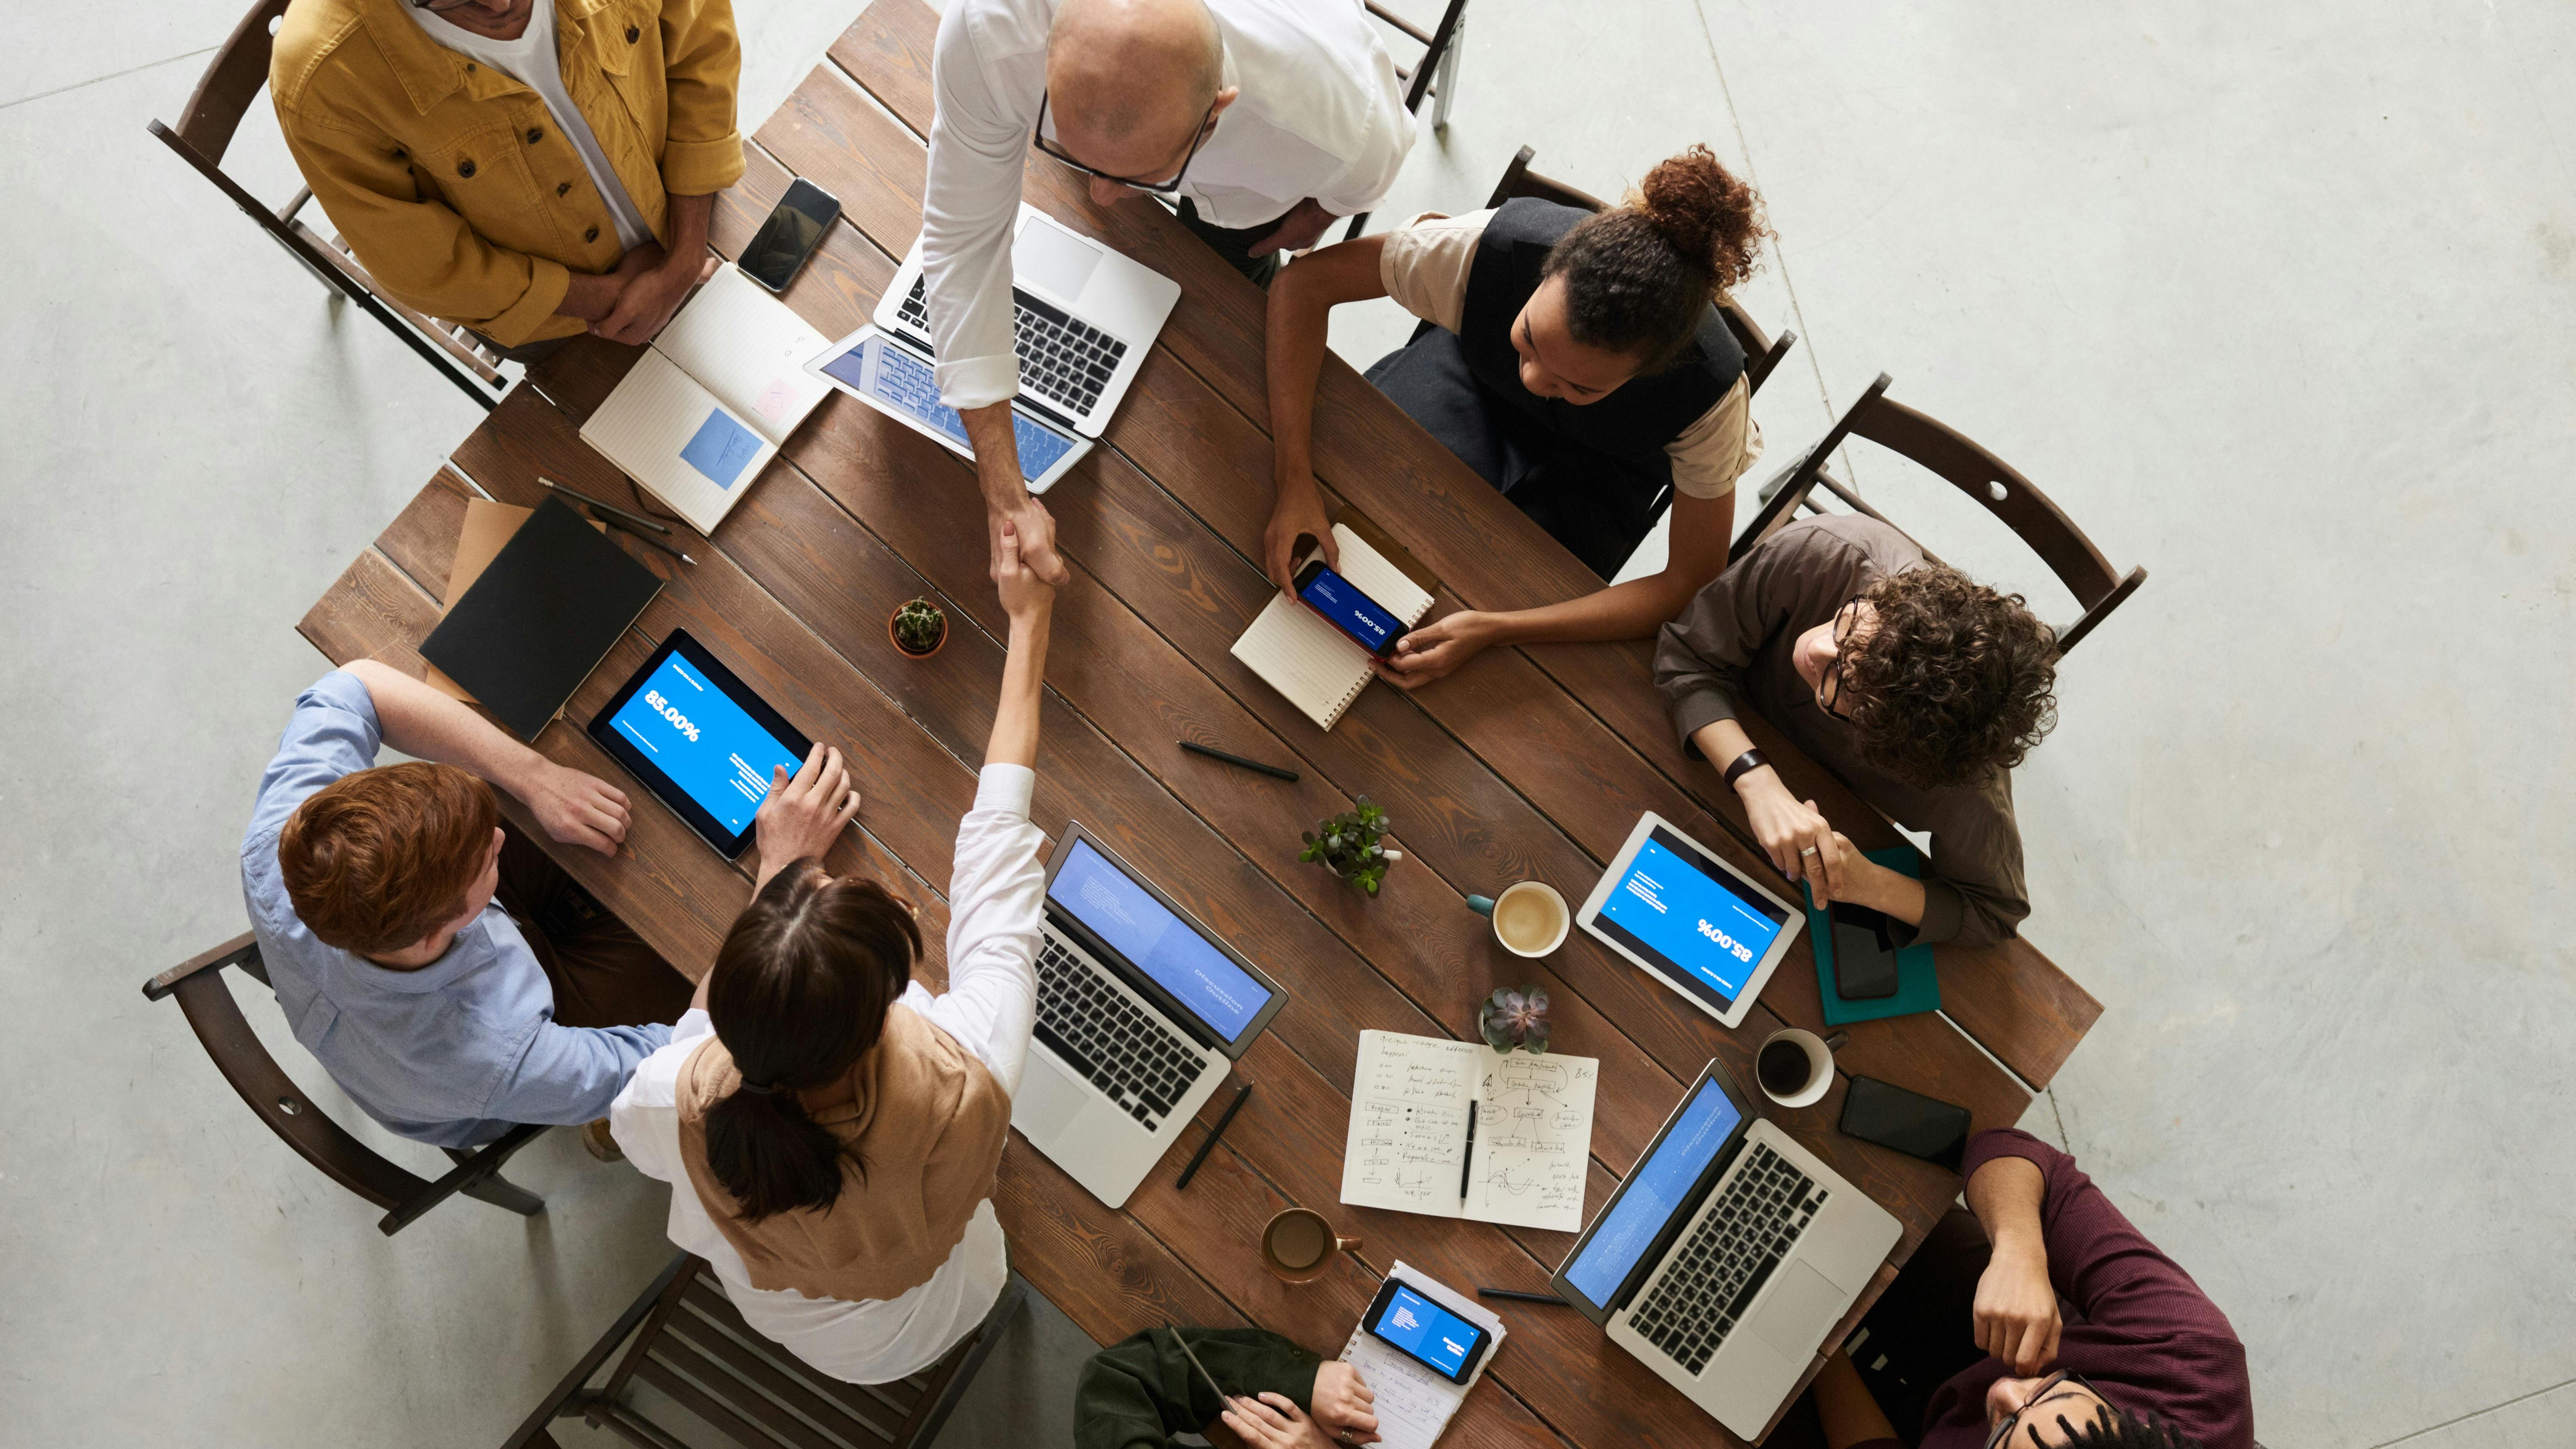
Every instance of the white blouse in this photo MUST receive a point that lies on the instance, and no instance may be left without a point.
(996, 900)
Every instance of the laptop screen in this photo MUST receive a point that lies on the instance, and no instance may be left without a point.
(1125, 916)
(907, 386)
(1653, 1195)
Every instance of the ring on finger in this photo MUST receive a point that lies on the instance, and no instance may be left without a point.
(1810, 850)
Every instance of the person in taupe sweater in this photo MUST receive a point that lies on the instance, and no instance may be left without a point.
(1918, 687)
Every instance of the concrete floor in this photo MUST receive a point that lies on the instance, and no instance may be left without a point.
(2278, 300)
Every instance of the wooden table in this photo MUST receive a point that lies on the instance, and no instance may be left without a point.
(1528, 763)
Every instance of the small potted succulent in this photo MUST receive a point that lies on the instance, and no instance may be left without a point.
(919, 628)
(1351, 845)
(1515, 1019)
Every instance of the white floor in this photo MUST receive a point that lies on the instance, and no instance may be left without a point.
(2277, 300)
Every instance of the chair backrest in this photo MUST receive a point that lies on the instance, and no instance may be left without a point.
(694, 1347)
(233, 79)
(1761, 352)
(1434, 43)
(1996, 486)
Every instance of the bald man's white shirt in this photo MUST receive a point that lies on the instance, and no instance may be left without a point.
(1321, 114)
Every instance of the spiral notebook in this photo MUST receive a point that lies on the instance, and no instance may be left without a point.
(1414, 1404)
(1318, 667)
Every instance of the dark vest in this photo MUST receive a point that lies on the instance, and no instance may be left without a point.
(1634, 422)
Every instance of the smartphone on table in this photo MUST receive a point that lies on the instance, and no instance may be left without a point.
(1425, 1332)
(1864, 953)
(1907, 1122)
(794, 229)
(1370, 624)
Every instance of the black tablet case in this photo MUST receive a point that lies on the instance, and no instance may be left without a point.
(545, 612)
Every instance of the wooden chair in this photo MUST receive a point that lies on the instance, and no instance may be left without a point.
(1761, 353)
(214, 112)
(238, 1054)
(2001, 491)
(1435, 75)
(693, 1347)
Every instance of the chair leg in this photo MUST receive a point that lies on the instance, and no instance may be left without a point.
(477, 1175)
(954, 1390)
(1359, 224)
(1444, 78)
(501, 1192)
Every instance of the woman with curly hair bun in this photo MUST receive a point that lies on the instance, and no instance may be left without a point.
(1576, 361)
(1918, 686)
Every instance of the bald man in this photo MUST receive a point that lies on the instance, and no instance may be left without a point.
(1264, 120)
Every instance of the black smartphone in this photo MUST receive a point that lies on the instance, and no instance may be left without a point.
(1425, 1332)
(1909, 1122)
(1864, 953)
(794, 228)
(1340, 601)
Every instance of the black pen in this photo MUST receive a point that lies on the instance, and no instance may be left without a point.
(1240, 1092)
(1468, 1167)
(640, 536)
(638, 519)
(1517, 1296)
(1273, 771)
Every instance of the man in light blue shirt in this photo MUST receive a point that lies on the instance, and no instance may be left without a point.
(373, 894)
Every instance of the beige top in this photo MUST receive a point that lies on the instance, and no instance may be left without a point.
(1424, 268)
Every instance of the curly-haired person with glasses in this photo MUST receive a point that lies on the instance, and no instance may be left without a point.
(1918, 687)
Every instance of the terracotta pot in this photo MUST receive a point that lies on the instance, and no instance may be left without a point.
(908, 654)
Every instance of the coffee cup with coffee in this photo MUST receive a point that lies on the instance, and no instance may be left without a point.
(1796, 1068)
(1299, 1245)
(1530, 918)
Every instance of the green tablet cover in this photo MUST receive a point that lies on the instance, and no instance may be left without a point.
(1917, 987)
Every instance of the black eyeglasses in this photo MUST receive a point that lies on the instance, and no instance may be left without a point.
(2047, 1386)
(1829, 690)
(440, 7)
(1037, 138)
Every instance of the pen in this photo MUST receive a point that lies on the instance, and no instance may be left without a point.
(1240, 1092)
(638, 519)
(1468, 1166)
(640, 536)
(1517, 1296)
(1273, 771)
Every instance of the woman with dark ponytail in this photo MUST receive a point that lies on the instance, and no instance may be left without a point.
(1576, 361)
(830, 1129)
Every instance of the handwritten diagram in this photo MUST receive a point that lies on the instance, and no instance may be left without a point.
(1409, 1141)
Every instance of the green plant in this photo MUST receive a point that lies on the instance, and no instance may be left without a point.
(1515, 1019)
(919, 626)
(1350, 845)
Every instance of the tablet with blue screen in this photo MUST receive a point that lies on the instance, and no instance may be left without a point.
(1707, 929)
(700, 740)
(891, 377)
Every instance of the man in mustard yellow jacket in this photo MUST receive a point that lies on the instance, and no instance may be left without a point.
(529, 168)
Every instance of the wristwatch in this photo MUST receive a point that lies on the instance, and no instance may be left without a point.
(1744, 764)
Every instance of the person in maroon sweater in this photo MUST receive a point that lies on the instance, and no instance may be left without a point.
(2137, 1357)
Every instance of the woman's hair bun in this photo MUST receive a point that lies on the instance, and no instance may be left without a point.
(1706, 213)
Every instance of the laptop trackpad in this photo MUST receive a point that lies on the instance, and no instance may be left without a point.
(1058, 261)
(1048, 1102)
(1802, 1305)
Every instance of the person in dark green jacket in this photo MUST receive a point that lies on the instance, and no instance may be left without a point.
(1138, 1393)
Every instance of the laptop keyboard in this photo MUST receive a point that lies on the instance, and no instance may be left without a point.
(1100, 1032)
(1063, 358)
(1713, 1274)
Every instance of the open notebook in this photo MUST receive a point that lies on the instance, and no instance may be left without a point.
(1412, 1403)
(1410, 1147)
(1317, 666)
(709, 403)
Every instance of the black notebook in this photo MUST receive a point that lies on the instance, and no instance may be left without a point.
(545, 612)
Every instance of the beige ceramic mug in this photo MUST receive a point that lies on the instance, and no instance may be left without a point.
(1530, 918)
(1299, 1244)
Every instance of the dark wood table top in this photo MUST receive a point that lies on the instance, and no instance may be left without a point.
(1527, 763)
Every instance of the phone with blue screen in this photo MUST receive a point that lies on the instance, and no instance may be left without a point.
(1370, 624)
(1422, 1330)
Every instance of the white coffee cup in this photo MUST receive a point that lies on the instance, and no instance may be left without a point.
(1529, 903)
(1819, 1054)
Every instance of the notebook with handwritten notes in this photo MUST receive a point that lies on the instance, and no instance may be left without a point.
(1411, 1146)
(1317, 666)
(1412, 1403)
(712, 400)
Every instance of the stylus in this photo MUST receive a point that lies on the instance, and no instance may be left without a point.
(1273, 771)
(638, 519)
(640, 536)
(1518, 1296)
(1218, 1131)
(1469, 1166)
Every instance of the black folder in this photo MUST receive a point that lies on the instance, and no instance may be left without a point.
(545, 612)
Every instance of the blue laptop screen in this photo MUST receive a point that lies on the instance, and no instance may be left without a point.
(1652, 1194)
(704, 741)
(1690, 914)
(905, 384)
(1127, 917)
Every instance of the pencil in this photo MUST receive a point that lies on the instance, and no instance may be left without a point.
(1273, 771)
(640, 536)
(637, 519)
(1240, 1092)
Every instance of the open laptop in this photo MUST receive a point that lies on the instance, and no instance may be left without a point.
(1726, 1256)
(1142, 1011)
(1087, 316)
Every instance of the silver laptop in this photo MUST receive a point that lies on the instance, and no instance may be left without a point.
(1142, 1011)
(1087, 316)
(1726, 1256)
